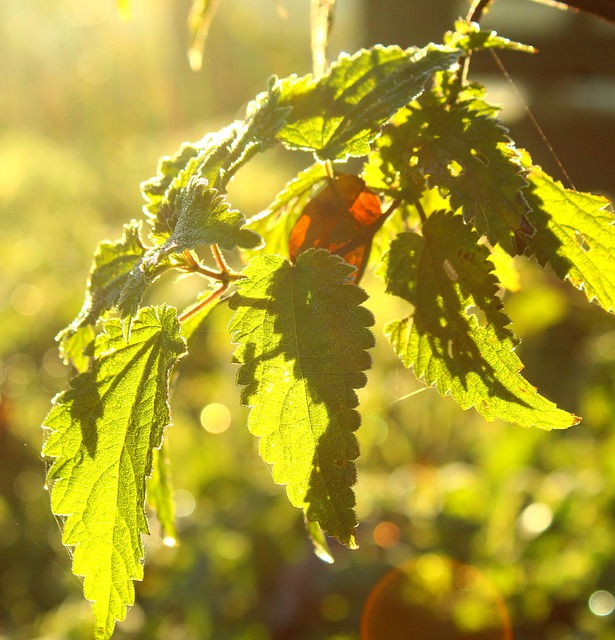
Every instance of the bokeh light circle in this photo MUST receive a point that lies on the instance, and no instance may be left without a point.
(435, 597)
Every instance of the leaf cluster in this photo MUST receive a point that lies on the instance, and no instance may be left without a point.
(454, 190)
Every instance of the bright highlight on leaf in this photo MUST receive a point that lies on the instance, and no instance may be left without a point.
(575, 234)
(101, 437)
(302, 338)
(446, 275)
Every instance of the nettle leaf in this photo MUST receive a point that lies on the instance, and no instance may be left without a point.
(101, 434)
(216, 158)
(276, 222)
(446, 276)
(302, 338)
(203, 217)
(575, 234)
(460, 146)
(113, 262)
(341, 113)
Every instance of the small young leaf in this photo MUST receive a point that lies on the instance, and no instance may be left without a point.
(444, 274)
(216, 158)
(575, 234)
(101, 433)
(302, 338)
(202, 217)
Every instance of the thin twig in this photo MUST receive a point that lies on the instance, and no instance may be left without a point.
(201, 305)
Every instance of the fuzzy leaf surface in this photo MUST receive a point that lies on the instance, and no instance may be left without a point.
(216, 158)
(443, 274)
(575, 234)
(111, 267)
(100, 436)
(302, 336)
(340, 114)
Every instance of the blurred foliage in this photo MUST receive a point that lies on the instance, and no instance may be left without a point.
(519, 517)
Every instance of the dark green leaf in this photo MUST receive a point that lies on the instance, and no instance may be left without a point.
(446, 275)
(302, 336)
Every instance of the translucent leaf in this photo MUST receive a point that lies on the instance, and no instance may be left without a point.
(575, 234)
(160, 495)
(319, 540)
(196, 315)
(454, 140)
(276, 222)
(302, 338)
(101, 433)
(446, 276)
(340, 114)
(109, 274)
(203, 217)
(216, 157)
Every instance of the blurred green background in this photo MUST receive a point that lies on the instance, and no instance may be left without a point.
(495, 530)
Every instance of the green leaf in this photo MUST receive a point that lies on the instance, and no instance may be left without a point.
(446, 276)
(203, 217)
(101, 434)
(302, 336)
(454, 140)
(340, 114)
(113, 262)
(575, 234)
(73, 345)
(216, 158)
(160, 495)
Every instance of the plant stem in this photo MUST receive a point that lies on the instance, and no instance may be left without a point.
(186, 315)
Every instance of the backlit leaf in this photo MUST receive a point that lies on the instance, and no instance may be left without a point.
(342, 219)
(575, 234)
(458, 145)
(160, 495)
(340, 114)
(446, 276)
(100, 436)
(302, 338)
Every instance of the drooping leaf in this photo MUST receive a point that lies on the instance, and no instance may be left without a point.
(160, 495)
(458, 145)
(201, 14)
(343, 219)
(445, 275)
(111, 267)
(302, 338)
(575, 234)
(319, 540)
(101, 434)
(341, 113)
